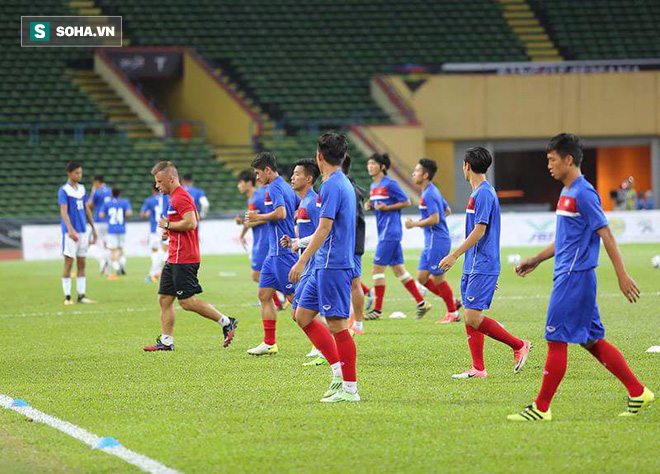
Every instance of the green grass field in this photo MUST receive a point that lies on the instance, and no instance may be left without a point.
(204, 408)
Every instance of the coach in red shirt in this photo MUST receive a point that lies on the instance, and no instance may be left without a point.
(179, 276)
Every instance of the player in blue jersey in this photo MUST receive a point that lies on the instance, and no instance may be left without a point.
(328, 292)
(199, 196)
(72, 199)
(386, 198)
(116, 210)
(573, 315)
(437, 242)
(481, 267)
(101, 193)
(280, 208)
(154, 208)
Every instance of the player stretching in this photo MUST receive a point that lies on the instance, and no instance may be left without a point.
(256, 197)
(481, 267)
(116, 210)
(328, 291)
(101, 193)
(154, 208)
(199, 196)
(437, 242)
(179, 277)
(387, 199)
(358, 289)
(280, 202)
(75, 240)
(573, 315)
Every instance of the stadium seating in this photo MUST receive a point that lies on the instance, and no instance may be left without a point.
(603, 29)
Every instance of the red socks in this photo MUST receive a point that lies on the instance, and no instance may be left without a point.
(411, 286)
(269, 331)
(613, 360)
(493, 329)
(365, 288)
(380, 295)
(347, 355)
(555, 368)
(476, 343)
(277, 302)
(320, 336)
(443, 290)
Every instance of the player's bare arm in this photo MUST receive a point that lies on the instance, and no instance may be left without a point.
(188, 222)
(90, 219)
(318, 237)
(254, 217)
(447, 211)
(367, 205)
(144, 215)
(64, 212)
(397, 206)
(627, 285)
(475, 236)
(529, 264)
(431, 220)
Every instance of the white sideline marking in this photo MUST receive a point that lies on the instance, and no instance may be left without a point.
(136, 459)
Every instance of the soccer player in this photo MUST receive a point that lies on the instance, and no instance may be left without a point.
(280, 202)
(72, 198)
(437, 242)
(387, 199)
(328, 292)
(101, 193)
(256, 197)
(179, 277)
(481, 267)
(154, 208)
(116, 210)
(358, 289)
(573, 315)
(199, 196)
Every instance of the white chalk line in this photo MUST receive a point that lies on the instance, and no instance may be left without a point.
(136, 459)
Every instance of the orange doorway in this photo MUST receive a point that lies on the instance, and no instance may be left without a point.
(614, 164)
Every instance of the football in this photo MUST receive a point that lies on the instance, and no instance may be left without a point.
(655, 261)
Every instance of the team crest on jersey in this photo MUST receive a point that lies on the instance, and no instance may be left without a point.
(267, 200)
(422, 204)
(318, 201)
(302, 216)
(567, 207)
(470, 207)
(379, 194)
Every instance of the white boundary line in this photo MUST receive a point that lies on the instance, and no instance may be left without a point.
(136, 459)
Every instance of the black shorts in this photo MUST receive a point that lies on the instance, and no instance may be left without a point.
(179, 280)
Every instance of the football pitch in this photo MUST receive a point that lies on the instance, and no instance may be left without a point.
(203, 408)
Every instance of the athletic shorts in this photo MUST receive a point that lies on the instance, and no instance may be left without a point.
(329, 293)
(180, 280)
(156, 239)
(258, 257)
(477, 290)
(573, 312)
(275, 273)
(300, 287)
(357, 267)
(432, 255)
(101, 232)
(73, 249)
(115, 241)
(388, 252)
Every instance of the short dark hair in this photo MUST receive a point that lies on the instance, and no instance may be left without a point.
(311, 169)
(333, 147)
(247, 176)
(264, 160)
(383, 159)
(346, 164)
(429, 166)
(116, 192)
(99, 178)
(567, 144)
(479, 159)
(188, 177)
(72, 166)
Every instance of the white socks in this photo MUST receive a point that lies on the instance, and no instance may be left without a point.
(166, 339)
(358, 325)
(350, 387)
(122, 262)
(223, 321)
(81, 285)
(336, 369)
(115, 265)
(66, 286)
(155, 264)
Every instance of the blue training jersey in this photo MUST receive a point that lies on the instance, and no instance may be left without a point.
(579, 215)
(387, 191)
(307, 219)
(196, 194)
(260, 243)
(336, 201)
(483, 208)
(99, 196)
(432, 202)
(279, 193)
(156, 205)
(116, 209)
(75, 199)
